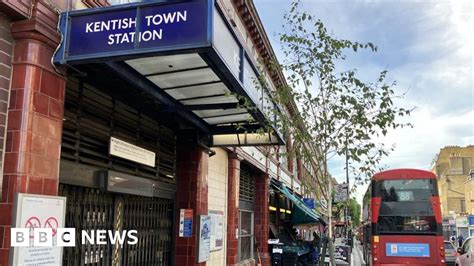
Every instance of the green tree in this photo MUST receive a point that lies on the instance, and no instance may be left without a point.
(354, 212)
(337, 113)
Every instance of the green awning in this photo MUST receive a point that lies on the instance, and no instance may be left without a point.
(301, 213)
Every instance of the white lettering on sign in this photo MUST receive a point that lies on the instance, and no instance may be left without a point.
(131, 152)
(131, 23)
(129, 37)
(166, 18)
(113, 24)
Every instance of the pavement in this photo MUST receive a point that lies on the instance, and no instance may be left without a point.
(357, 259)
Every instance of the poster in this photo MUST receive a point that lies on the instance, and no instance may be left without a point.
(217, 229)
(204, 243)
(38, 211)
(185, 222)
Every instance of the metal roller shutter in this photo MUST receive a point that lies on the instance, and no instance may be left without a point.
(92, 117)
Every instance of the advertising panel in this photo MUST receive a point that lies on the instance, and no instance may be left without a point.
(204, 238)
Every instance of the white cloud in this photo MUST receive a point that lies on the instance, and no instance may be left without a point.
(428, 49)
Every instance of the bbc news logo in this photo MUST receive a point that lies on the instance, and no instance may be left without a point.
(66, 237)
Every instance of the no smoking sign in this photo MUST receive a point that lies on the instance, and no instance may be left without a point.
(35, 213)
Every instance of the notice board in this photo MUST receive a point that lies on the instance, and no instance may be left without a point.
(38, 211)
(217, 229)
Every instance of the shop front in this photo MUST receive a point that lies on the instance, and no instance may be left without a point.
(111, 192)
(462, 226)
(293, 225)
(164, 81)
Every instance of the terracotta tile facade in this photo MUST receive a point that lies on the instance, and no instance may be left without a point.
(192, 193)
(6, 52)
(34, 127)
(262, 221)
(233, 209)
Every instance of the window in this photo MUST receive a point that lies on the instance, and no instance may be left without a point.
(283, 157)
(463, 206)
(246, 207)
(406, 206)
(246, 235)
(466, 246)
(120, 2)
(246, 185)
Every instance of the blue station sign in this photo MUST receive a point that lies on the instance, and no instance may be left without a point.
(134, 29)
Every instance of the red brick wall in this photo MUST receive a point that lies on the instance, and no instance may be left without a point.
(6, 42)
(192, 170)
(35, 116)
(233, 209)
(262, 219)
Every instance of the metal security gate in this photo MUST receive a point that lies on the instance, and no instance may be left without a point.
(87, 209)
(152, 218)
(90, 209)
(91, 118)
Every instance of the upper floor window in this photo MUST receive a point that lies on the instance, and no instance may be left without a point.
(120, 2)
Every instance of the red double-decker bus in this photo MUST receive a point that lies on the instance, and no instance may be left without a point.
(402, 219)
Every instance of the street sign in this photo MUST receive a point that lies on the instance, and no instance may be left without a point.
(135, 29)
(341, 193)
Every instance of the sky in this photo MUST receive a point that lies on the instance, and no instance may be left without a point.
(428, 49)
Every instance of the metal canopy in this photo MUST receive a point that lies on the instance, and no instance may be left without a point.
(185, 54)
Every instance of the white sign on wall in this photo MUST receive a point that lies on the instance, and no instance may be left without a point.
(217, 230)
(38, 211)
(131, 152)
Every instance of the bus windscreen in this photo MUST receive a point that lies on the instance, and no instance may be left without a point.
(406, 207)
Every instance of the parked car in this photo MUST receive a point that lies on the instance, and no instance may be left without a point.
(450, 253)
(466, 253)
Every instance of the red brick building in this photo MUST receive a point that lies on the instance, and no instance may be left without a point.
(57, 122)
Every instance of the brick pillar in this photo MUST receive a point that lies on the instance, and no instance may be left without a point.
(192, 180)
(262, 216)
(6, 48)
(233, 209)
(33, 141)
